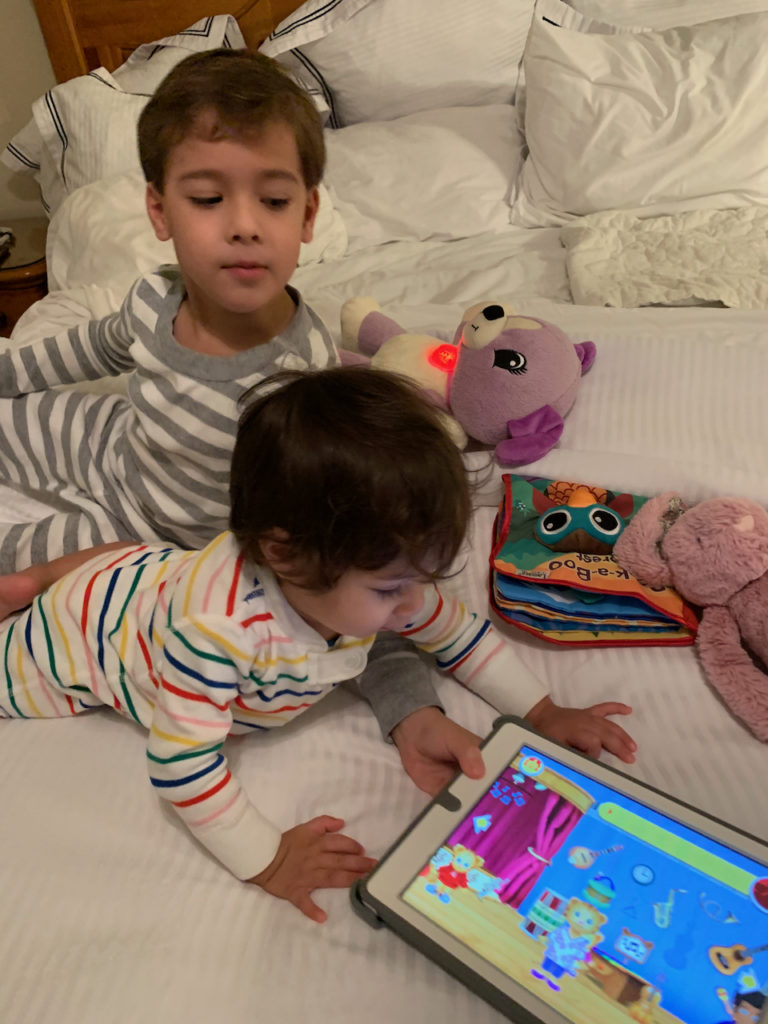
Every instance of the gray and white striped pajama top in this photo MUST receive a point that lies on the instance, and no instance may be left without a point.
(152, 465)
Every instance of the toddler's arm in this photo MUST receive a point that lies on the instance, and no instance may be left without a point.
(198, 677)
(482, 660)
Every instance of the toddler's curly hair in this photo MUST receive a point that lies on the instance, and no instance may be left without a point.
(354, 466)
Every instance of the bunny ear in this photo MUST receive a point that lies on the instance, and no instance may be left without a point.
(638, 548)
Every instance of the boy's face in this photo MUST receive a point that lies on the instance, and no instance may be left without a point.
(361, 603)
(237, 212)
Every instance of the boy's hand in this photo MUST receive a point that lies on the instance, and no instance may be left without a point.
(586, 729)
(313, 856)
(433, 748)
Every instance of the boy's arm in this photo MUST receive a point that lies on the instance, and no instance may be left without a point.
(89, 351)
(432, 747)
(395, 682)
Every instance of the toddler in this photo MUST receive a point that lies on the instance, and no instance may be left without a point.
(349, 503)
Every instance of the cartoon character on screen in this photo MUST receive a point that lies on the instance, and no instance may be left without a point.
(443, 856)
(453, 874)
(568, 946)
(642, 1010)
(746, 1008)
(484, 885)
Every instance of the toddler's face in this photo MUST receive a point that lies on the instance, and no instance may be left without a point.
(361, 603)
(237, 211)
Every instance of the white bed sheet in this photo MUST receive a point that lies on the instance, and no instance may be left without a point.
(110, 913)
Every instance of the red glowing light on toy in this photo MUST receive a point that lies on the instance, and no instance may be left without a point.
(444, 357)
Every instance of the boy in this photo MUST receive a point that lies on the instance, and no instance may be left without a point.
(339, 528)
(233, 152)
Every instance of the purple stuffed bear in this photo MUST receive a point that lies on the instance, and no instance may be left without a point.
(505, 380)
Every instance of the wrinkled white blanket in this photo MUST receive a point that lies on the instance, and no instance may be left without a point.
(700, 257)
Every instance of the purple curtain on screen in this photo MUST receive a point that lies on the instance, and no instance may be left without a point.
(527, 830)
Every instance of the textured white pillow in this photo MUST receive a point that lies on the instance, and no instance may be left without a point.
(374, 61)
(439, 174)
(661, 122)
(85, 129)
(101, 235)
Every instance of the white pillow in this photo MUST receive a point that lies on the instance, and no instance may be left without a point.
(85, 129)
(439, 174)
(101, 235)
(379, 60)
(660, 122)
(149, 63)
(662, 14)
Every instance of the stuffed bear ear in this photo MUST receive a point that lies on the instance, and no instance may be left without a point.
(353, 312)
(496, 311)
(638, 548)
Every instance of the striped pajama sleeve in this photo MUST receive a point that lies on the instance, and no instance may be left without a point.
(89, 351)
(474, 652)
(202, 666)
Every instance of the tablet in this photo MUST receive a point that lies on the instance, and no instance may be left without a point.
(566, 892)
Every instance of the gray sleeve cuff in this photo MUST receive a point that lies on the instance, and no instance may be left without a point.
(395, 682)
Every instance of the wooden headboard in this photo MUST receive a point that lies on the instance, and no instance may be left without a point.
(84, 34)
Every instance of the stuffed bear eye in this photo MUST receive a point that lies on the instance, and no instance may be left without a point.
(605, 521)
(553, 522)
(509, 359)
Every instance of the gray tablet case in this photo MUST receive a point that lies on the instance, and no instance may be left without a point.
(377, 915)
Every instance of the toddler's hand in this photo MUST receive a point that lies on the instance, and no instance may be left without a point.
(311, 856)
(586, 729)
(433, 748)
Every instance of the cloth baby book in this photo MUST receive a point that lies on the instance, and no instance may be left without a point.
(553, 573)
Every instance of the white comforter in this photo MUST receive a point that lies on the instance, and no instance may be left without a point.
(106, 898)
(695, 258)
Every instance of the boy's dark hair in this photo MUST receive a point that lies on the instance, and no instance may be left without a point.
(355, 466)
(223, 93)
(754, 998)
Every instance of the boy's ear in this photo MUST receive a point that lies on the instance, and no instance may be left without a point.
(156, 211)
(310, 212)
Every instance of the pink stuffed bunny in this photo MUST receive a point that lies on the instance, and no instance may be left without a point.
(716, 555)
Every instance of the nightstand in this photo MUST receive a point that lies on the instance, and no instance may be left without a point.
(22, 272)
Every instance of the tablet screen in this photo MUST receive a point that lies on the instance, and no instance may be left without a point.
(602, 907)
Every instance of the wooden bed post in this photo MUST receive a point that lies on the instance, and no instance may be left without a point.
(58, 27)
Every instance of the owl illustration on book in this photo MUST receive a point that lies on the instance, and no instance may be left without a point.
(577, 517)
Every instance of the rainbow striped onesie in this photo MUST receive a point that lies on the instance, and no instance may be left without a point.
(196, 645)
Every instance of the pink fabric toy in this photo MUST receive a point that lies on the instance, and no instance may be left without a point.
(505, 380)
(716, 555)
